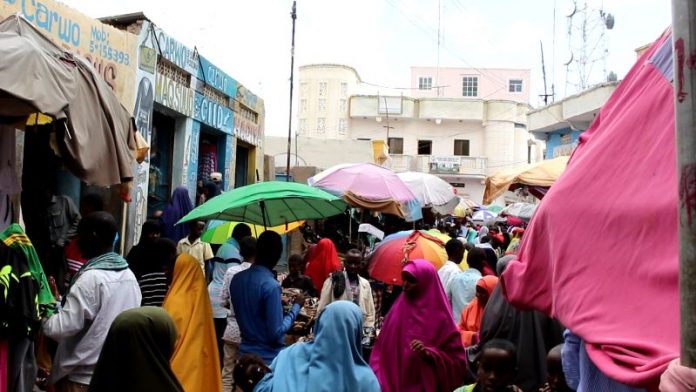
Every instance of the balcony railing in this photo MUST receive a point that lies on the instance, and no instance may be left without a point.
(450, 164)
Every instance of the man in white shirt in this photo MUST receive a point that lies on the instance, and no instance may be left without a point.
(193, 245)
(455, 255)
(102, 288)
(349, 286)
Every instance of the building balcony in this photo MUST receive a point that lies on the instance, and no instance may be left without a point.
(439, 164)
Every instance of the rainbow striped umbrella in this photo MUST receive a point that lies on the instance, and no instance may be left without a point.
(219, 231)
(386, 261)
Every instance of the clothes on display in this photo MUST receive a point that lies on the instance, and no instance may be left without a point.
(207, 160)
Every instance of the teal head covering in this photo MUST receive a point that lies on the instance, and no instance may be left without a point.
(136, 353)
(332, 362)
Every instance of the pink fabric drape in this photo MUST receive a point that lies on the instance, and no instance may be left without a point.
(601, 252)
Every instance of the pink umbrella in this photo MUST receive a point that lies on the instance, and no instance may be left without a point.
(369, 186)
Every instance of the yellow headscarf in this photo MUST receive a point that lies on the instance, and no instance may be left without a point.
(195, 361)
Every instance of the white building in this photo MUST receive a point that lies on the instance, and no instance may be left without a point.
(474, 126)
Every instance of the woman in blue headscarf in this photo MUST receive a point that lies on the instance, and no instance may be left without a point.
(179, 206)
(332, 362)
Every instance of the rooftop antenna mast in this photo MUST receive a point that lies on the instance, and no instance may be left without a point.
(545, 95)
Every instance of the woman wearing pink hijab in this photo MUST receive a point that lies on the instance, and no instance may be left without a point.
(419, 348)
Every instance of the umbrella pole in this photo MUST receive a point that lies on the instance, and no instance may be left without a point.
(263, 215)
(350, 226)
(684, 41)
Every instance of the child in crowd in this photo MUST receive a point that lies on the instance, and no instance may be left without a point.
(497, 368)
(554, 368)
(296, 278)
(193, 245)
(248, 371)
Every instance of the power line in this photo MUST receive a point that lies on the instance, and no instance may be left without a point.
(449, 49)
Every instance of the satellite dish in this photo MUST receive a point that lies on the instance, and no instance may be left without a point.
(572, 10)
(609, 21)
(570, 59)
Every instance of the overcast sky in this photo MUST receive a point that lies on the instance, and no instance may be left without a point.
(250, 40)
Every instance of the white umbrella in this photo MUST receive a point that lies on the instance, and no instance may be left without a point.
(520, 210)
(483, 215)
(431, 191)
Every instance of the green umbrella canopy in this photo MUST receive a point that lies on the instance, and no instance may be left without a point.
(269, 203)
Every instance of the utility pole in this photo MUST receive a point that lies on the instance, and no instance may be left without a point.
(684, 41)
(386, 112)
(437, 70)
(293, 15)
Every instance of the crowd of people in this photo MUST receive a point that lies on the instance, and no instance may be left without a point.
(175, 315)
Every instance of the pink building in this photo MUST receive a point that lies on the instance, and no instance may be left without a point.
(475, 83)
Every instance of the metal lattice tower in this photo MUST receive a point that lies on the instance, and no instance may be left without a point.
(586, 64)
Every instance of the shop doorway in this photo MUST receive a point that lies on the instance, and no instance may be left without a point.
(161, 160)
(241, 171)
(211, 153)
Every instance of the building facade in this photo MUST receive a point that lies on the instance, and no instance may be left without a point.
(196, 118)
(561, 123)
(471, 83)
(458, 123)
(461, 141)
(323, 100)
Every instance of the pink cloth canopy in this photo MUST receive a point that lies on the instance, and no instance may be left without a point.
(601, 253)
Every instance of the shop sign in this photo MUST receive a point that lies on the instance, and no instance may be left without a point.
(213, 114)
(174, 95)
(564, 150)
(112, 52)
(177, 53)
(247, 131)
(247, 98)
(216, 78)
(444, 164)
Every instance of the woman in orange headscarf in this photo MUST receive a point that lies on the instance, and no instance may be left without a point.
(470, 321)
(195, 361)
(322, 261)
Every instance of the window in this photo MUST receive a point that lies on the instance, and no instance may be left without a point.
(321, 125)
(342, 127)
(515, 86)
(303, 106)
(304, 89)
(303, 125)
(425, 83)
(322, 105)
(343, 105)
(396, 145)
(344, 89)
(470, 86)
(322, 89)
(425, 147)
(461, 147)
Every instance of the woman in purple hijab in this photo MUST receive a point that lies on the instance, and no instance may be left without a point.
(419, 348)
(179, 206)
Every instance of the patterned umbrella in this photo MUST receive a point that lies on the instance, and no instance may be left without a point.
(217, 232)
(386, 261)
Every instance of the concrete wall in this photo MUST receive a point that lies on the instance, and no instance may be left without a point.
(442, 135)
(318, 152)
(492, 83)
